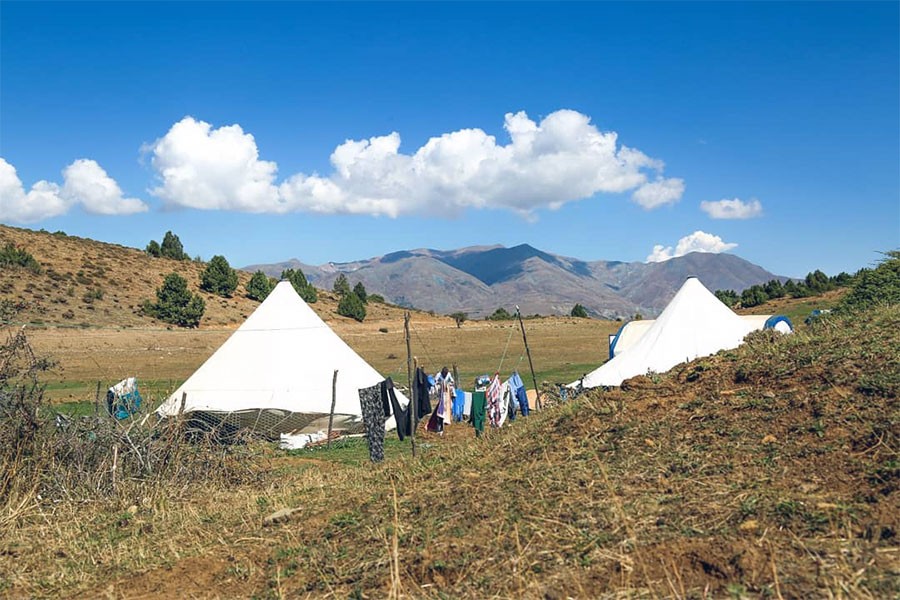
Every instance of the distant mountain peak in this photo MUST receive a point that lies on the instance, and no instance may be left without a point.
(479, 279)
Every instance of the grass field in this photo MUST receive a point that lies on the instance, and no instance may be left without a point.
(770, 471)
(163, 359)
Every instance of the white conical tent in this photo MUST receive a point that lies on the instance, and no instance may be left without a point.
(631, 332)
(281, 360)
(695, 323)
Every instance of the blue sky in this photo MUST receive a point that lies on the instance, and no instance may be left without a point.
(229, 123)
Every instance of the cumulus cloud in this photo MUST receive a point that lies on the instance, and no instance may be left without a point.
(41, 202)
(699, 241)
(562, 158)
(659, 193)
(84, 182)
(732, 209)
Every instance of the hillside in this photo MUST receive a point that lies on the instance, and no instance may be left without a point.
(766, 471)
(75, 271)
(479, 279)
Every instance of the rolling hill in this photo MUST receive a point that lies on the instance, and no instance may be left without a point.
(86, 283)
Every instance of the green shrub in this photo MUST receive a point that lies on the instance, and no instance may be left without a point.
(360, 290)
(341, 285)
(753, 296)
(171, 247)
(14, 256)
(728, 297)
(259, 287)
(305, 289)
(459, 318)
(351, 306)
(175, 303)
(875, 287)
(375, 298)
(153, 248)
(219, 278)
(501, 314)
(579, 311)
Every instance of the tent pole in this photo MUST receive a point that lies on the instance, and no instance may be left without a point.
(530, 364)
(413, 405)
(333, 402)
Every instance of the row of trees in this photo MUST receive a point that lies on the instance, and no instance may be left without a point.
(813, 284)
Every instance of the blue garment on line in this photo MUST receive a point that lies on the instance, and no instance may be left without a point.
(518, 388)
(459, 402)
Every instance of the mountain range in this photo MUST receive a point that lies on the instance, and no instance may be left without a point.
(477, 280)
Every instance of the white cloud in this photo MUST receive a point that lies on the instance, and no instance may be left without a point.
(732, 209)
(41, 202)
(85, 183)
(88, 184)
(561, 159)
(659, 193)
(699, 241)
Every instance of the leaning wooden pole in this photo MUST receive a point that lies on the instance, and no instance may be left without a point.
(530, 364)
(333, 402)
(413, 405)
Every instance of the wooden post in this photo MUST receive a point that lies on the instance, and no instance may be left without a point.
(97, 400)
(413, 405)
(115, 465)
(333, 402)
(530, 364)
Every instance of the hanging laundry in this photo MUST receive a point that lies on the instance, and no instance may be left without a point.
(459, 403)
(383, 391)
(373, 418)
(478, 409)
(423, 392)
(445, 385)
(509, 399)
(503, 408)
(435, 422)
(467, 404)
(402, 416)
(493, 401)
(515, 382)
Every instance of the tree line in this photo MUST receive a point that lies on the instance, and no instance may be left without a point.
(814, 284)
(176, 304)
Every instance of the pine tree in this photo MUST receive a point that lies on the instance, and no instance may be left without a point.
(579, 311)
(259, 287)
(218, 277)
(351, 306)
(305, 289)
(175, 303)
(360, 290)
(171, 247)
(341, 285)
(153, 248)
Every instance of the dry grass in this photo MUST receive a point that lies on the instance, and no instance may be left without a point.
(107, 339)
(75, 269)
(563, 349)
(768, 471)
